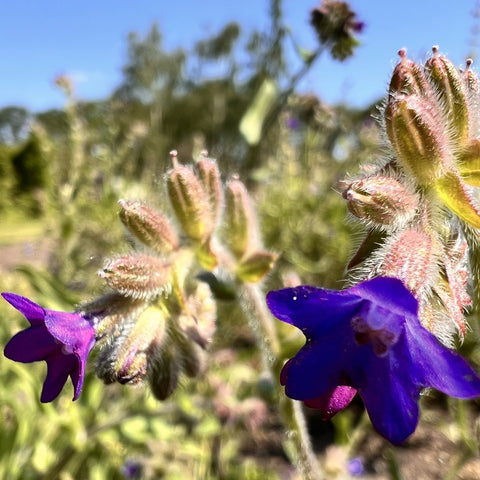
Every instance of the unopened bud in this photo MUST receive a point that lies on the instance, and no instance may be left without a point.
(190, 202)
(418, 137)
(131, 359)
(209, 175)
(190, 355)
(163, 371)
(125, 360)
(137, 275)
(241, 228)
(381, 200)
(448, 83)
(110, 312)
(470, 78)
(412, 257)
(254, 267)
(409, 78)
(149, 226)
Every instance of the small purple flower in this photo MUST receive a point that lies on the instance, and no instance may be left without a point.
(355, 467)
(368, 338)
(62, 339)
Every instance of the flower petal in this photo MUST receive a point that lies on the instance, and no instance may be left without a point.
(69, 328)
(320, 366)
(34, 313)
(332, 402)
(389, 293)
(31, 345)
(59, 368)
(389, 394)
(439, 367)
(313, 310)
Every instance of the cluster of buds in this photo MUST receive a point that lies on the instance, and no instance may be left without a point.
(420, 206)
(158, 319)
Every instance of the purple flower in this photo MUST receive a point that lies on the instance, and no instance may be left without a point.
(62, 339)
(368, 338)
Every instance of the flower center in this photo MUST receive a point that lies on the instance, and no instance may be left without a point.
(372, 326)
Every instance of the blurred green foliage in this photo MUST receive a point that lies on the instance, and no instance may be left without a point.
(61, 174)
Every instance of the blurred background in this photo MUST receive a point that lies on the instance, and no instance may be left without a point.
(93, 96)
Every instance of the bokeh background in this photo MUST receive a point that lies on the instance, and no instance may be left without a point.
(93, 96)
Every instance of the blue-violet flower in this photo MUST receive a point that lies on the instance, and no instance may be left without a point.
(367, 338)
(62, 339)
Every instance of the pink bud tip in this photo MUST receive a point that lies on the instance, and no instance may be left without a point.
(435, 49)
(402, 53)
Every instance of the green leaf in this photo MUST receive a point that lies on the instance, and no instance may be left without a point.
(453, 193)
(252, 121)
(469, 164)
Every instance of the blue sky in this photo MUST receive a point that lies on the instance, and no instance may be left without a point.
(40, 39)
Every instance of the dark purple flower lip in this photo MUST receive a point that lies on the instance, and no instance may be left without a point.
(63, 340)
(367, 338)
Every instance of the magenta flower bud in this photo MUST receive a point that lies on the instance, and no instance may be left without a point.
(149, 226)
(381, 200)
(137, 275)
(191, 203)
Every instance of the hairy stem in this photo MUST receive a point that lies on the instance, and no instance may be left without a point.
(252, 301)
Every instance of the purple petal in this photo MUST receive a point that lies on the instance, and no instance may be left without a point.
(439, 367)
(69, 328)
(34, 313)
(332, 402)
(320, 366)
(59, 368)
(389, 293)
(389, 394)
(31, 345)
(313, 310)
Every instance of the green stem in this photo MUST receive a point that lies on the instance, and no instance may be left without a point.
(252, 302)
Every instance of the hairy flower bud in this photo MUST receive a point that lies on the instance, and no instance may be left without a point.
(125, 360)
(149, 226)
(241, 228)
(131, 360)
(137, 275)
(109, 312)
(418, 136)
(209, 176)
(191, 203)
(380, 200)
(412, 257)
(449, 86)
(163, 371)
(408, 78)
